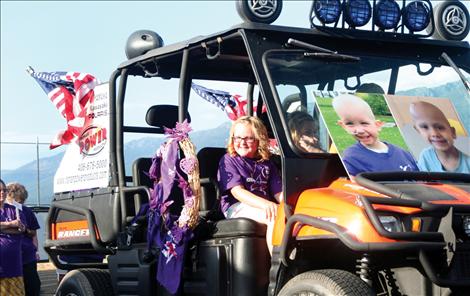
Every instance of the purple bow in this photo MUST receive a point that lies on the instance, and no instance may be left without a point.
(180, 131)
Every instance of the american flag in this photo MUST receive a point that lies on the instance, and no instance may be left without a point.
(71, 93)
(234, 105)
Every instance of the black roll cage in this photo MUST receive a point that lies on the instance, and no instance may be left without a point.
(235, 55)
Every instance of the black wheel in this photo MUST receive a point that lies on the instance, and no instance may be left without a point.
(261, 11)
(326, 282)
(86, 282)
(452, 20)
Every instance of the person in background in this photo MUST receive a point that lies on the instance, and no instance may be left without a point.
(442, 156)
(11, 233)
(249, 182)
(302, 128)
(17, 193)
(369, 154)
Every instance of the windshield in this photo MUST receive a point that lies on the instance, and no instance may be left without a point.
(393, 88)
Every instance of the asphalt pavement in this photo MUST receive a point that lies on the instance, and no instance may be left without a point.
(48, 279)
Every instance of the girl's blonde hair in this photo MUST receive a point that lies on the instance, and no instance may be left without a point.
(17, 192)
(260, 132)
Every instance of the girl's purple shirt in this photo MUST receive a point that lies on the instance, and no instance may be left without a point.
(259, 177)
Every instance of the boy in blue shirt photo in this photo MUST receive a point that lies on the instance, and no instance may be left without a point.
(442, 156)
(369, 154)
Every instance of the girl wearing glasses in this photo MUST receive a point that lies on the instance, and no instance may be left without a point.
(11, 234)
(249, 182)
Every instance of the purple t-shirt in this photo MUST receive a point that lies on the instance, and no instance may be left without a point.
(358, 159)
(10, 246)
(259, 177)
(27, 246)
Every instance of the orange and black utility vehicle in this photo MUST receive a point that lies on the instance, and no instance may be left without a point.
(379, 233)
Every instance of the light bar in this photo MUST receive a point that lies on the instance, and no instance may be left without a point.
(410, 18)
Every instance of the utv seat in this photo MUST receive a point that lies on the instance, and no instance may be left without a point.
(217, 225)
(208, 159)
(228, 250)
(140, 168)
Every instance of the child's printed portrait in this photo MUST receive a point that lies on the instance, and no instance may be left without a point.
(400, 108)
(434, 132)
(364, 132)
(389, 131)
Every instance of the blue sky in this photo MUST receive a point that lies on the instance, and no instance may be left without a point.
(88, 36)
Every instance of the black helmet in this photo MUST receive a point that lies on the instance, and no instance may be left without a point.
(142, 41)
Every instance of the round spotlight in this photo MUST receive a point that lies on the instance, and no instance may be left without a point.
(416, 16)
(387, 14)
(327, 11)
(357, 13)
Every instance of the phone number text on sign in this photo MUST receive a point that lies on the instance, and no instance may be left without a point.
(92, 165)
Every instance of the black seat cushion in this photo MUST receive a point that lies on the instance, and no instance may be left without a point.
(208, 158)
(236, 227)
(140, 168)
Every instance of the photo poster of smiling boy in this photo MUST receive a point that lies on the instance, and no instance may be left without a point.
(434, 132)
(364, 132)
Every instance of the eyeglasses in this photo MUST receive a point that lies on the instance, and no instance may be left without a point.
(248, 140)
(4, 190)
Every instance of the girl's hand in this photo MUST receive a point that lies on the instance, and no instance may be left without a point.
(309, 144)
(270, 210)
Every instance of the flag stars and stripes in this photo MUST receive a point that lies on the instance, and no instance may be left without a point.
(72, 94)
(233, 104)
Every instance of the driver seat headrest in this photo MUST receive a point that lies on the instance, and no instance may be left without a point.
(163, 116)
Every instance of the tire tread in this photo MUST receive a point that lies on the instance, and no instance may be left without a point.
(338, 282)
(86, 282)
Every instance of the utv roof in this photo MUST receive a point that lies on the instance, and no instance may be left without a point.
(234, 61)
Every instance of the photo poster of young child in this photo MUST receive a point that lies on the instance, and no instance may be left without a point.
(364, 132)
(433, 131)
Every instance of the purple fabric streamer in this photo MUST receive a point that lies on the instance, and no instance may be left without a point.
(163, 229)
